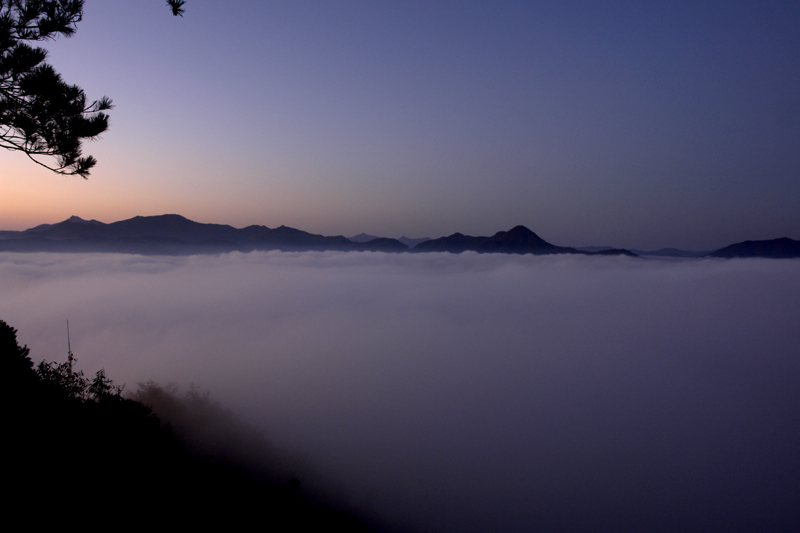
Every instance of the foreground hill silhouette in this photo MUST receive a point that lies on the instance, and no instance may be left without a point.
(75, 450)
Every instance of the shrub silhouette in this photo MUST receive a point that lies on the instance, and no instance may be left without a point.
(75, 446)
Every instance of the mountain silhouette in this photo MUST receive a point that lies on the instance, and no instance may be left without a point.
(177, 235)
(367, 238)
(783, 248)
(363, 237)
(671, 252)
(518, 240)
(174, 235)
(410, 242)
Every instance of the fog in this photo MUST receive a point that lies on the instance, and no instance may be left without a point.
(466, 392)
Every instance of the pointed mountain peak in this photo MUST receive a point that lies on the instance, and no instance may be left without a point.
(520, 230)
(517, 232)
(518, 239)
(78, 220)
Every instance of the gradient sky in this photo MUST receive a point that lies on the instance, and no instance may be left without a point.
(634, 124)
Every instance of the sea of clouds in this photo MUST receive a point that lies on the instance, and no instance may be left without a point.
(461, 393)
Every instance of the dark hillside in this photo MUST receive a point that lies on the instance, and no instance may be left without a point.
(76, 452)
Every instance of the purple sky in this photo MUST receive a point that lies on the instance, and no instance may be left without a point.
(617, 123)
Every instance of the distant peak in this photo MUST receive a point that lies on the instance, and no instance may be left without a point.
(172, 217)
(520, 230)
(363, 237)
(161, 217)
(78, 220)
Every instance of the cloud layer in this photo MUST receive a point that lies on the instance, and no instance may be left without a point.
(470, 392)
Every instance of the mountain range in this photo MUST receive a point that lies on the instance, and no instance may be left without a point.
(173, 235)
(783, 248)
(177, 235)
(518, 240)
(366, 237)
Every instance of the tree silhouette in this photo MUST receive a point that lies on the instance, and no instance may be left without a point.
(16, 366)
(71, 443)
(40, 114)
(176, 6)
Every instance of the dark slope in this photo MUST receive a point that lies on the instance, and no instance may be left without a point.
(784, 248)
(75, 451)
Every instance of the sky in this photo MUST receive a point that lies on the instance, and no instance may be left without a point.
(630, 124)
(465, 393)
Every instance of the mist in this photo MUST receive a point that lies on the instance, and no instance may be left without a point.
(445, 393)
